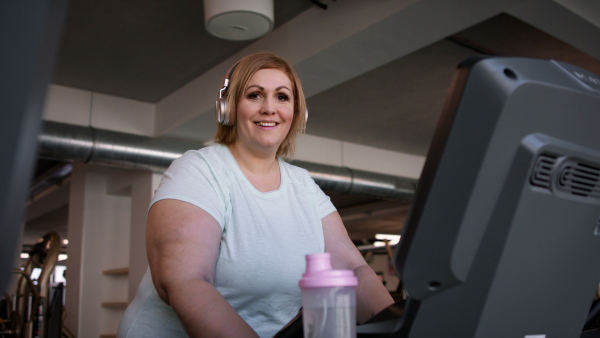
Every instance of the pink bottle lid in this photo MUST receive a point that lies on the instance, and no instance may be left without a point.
(319, 273)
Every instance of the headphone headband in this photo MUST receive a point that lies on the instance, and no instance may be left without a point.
(226, 81)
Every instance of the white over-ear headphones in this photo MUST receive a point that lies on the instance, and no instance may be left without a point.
(222, 113)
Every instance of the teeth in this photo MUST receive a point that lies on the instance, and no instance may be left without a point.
(266, 124)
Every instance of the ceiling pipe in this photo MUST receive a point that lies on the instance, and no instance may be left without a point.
(72, 143)
(352, 181)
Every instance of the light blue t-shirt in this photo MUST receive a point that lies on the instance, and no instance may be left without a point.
(265, 239)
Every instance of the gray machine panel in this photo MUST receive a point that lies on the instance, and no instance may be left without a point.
(503, 236)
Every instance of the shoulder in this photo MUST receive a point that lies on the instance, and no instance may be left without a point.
(198, 177)
(300, 177)
(211, 155)
(209, 162)
(294, 171)
(212, 151)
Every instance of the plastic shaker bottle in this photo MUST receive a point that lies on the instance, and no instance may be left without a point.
(328, 299)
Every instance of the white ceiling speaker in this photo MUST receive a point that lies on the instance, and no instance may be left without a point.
(238, 19)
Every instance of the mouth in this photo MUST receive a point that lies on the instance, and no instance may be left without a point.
(266, 124)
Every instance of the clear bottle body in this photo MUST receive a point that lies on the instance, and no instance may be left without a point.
(329, 312)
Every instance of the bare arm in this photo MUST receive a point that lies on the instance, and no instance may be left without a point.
(371, 296)
(182, 243)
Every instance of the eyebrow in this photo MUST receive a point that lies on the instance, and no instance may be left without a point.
(263, 88)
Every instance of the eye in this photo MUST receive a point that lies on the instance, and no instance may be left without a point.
(253, 96)
(283, 97)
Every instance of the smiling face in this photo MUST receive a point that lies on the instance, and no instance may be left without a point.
(265, 111)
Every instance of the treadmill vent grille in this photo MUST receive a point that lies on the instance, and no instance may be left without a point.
(580, 179)
(542, 172)
(570, 176)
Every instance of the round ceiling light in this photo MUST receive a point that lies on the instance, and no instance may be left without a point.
(238, 19)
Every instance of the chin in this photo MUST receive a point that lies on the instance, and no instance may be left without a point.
(270, 145)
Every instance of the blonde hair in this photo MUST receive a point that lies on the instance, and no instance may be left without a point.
(243, 70)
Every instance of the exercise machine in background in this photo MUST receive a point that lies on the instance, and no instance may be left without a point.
(36, 308)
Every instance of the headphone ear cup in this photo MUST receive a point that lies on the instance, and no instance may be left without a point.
(221, 111)
(305, 120)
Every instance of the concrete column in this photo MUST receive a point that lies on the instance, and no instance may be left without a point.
(107, 258)
(140, 186)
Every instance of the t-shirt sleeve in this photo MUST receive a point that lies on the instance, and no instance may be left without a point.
(193, 178)
(324, 202)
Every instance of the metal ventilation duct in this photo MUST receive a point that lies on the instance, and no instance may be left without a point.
(66, 142)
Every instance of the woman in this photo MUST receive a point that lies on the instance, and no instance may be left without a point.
(231, 223)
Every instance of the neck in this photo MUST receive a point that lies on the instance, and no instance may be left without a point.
(262, 170)
(258, 163)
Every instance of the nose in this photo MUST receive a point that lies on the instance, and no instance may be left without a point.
(268, 107)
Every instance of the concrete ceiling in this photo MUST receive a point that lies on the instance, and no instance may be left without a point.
(375, 72)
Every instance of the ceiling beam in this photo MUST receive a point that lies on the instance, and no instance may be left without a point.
(330, 47)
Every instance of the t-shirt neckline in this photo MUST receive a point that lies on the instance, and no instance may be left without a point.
(238, 171)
